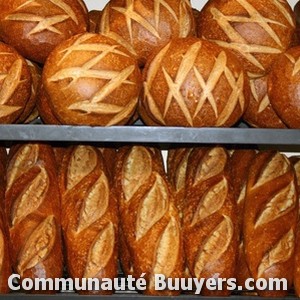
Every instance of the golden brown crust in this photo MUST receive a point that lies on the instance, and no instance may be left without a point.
(44, 109)
(271, 207)
(283, 84)
(89, 215)
(256, 30)
(32, 208)
(210, 223)
(99, 87)
(177, 163)
(240, 162)
(295, 161)
(109, 155)
(260, 112)
(15, 84)
(29, 112)
(143, 27)
(35, 27)
(149, 220)
(194, 83)
(5, 263)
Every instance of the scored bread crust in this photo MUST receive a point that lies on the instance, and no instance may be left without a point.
(260, 112)
(32, 208)
(144, 26)
(256, 30)
(149, 222)
(210, 222)
(271, 207)
(15, 84)
(89, 215)
(283, 85)
(97, 87)
(35, 27)
(193, 83)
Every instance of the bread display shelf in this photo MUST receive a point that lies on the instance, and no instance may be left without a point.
(147, 134)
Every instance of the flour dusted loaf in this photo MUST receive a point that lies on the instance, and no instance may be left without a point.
(35, 27)
(210, 222)
(144, 26)
(89, 215)
(284, 84)
(271, 213)
(195, 83)
(32, 208)
(15, 84)
(149, 222)
(5, 263)
(92, 80)
(260, 112)
(256, 30)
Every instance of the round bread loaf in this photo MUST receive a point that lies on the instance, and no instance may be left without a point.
(256, 30)
(284, 86)
(29, 112)
(194, 83)
(15, 84)
(92, 80)
(144, 26)
(260, 112)
(44, 109)
(35, 27)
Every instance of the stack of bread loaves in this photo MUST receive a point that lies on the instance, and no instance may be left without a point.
(162, 60)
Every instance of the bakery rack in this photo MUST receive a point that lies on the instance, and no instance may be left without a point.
(147, 134)
(286, 138)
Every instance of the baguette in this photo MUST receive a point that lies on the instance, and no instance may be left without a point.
(295, 161)
(32, 209)
(89, 216)
(150, 224)
(271, 212)
(210, 222)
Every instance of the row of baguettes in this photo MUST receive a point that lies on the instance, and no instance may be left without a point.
(231, 213)
(262, 190)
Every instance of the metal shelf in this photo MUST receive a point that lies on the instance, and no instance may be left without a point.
(147, 134)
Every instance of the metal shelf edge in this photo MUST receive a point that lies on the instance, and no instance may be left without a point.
(148, 134)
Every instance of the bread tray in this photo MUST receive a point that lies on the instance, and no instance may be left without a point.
(148, 134)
